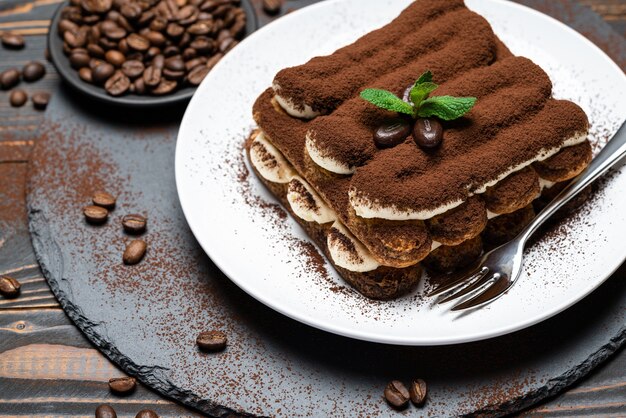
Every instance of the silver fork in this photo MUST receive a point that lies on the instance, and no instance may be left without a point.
(498, 270)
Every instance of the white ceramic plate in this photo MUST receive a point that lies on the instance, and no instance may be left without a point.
(233, 218)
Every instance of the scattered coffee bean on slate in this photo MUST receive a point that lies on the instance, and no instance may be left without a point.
(105, 411)
(418, 391)
(134, 252)
(9, 287)
(392, 132)
(40, 100)
(9, 78)
(397, 394)
(103, 199)
(13, 41)
(33, 71)
(18, 97)
(211, 340)
(427, 133)
(147, 413)
(95, 214)
(134, 223)
(122, 385)
(272, 7)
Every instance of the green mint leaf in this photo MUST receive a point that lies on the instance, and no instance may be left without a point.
(427, 77)
(387, 100)
(445, 107)
(421, 91)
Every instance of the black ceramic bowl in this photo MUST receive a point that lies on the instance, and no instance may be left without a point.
(70, 75)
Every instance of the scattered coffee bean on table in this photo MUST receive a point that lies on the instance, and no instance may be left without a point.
(211, 340)
(104, 199)
(95, 214)
(397, 394)
(418, 392)
(147, 413)
(13, 41)
(105, 411)
(18, 97)
(122, 385)
(9, 78)
(33, 71)
(134, 252)
(134, 223)
(9, 287)
(148, 47)
(272, 7)
(40, 100)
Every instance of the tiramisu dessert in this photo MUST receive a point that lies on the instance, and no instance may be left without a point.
(414, 145)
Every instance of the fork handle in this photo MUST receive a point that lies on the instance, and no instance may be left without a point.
(612, 152)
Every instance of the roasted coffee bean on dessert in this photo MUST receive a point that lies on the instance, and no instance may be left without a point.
(9, 287)
(103, 199)
(95, 214)
(105, 411)
(134, 252)
(40, 100)
(18, 97)
(9, 78)
(134, 223)
(427, 133)
(165, 43)
(418, 391)
(211, 340)
(397, 394)
(392, 132)
(122, 385)
(147, 413)
(13, 41)
(33, 71)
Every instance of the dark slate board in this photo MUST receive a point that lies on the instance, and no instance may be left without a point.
(145, 318)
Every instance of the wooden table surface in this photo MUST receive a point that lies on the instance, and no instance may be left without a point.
(47, 368)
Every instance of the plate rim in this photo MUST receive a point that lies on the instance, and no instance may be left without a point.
(358, 334)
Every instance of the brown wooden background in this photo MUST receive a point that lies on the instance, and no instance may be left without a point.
(47, 368)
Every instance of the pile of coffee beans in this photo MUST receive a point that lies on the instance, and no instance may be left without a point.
(148, 46)
(398, 396)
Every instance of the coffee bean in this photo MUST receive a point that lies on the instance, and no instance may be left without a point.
(238, 28)
(86, 75)
(114, 57)
(9, 78)
(212, 340)
(9, 287)
(134, 223)
(146, 413)
(196, 75)
(139, 87)
(152, 52)
(427, 133)
(156, 38)
(117, 84)
(203, 45)
(102, 72)
(134, 252)
(187, 15)
(225, 43)
(122, 385)
(158, 24)
(66, 25)
(175, 63)
(130, 10)
(123, 47)
(193, 63)
(18, 97)
(173, 75)
(95, 50)
(152, 76)
(392, 132)
(107, 43)
(418, 391)
(105, 411)
(190, 53)
(272, 7)
(75, 39)
(133, 68)
(13, 40)
(171, 50)
(104, 199)
(145, 18)
(138, 42)
(95, 214)
(79, 60)
(174, 30)
(165, 87)
(200, 28)
(96, 6)
(214, 60)
(397, 394)
(40, 100)
(115, 33)
(159, 61)
(33, 71)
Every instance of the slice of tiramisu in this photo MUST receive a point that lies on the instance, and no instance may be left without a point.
(385, 172)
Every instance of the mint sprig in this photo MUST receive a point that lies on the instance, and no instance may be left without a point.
(421, 105)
